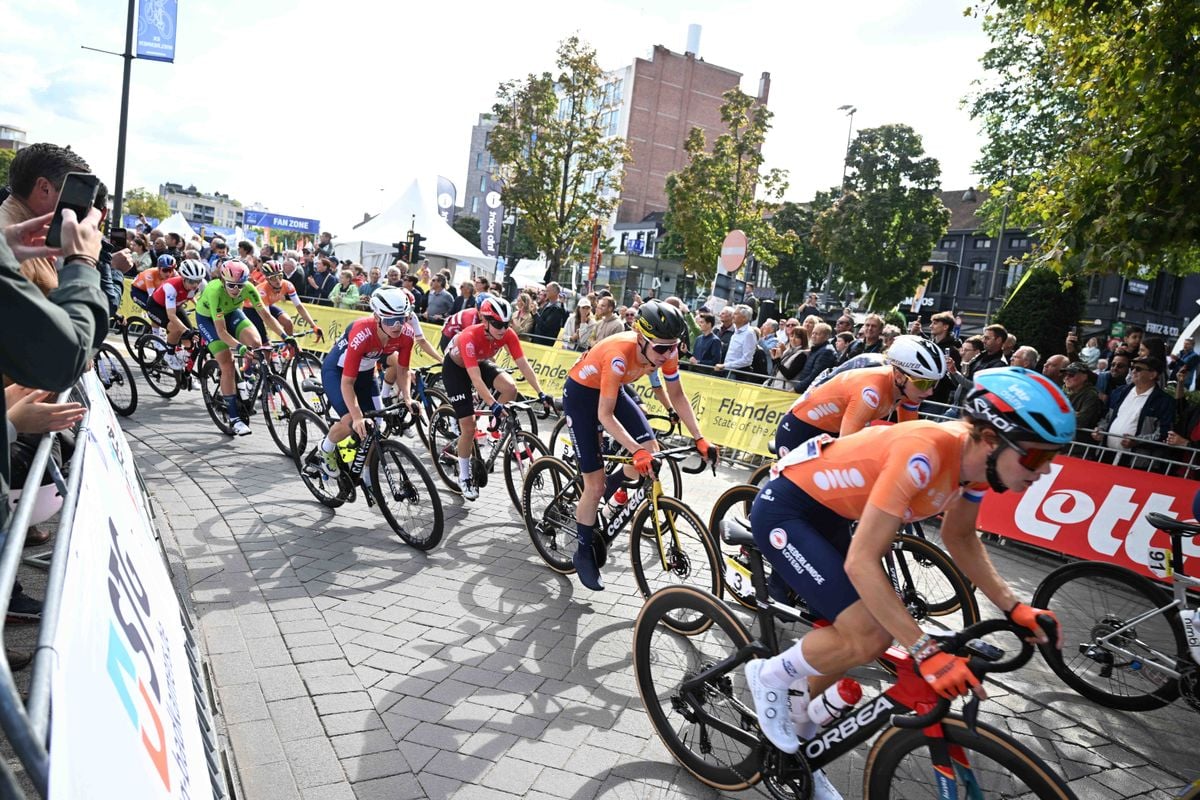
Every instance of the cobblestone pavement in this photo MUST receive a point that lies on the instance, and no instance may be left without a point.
(347, 665)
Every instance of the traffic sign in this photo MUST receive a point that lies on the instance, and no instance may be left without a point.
(733, 251)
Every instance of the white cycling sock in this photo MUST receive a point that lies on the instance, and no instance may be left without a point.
(328, 446)
(464, 468)
(788, 666)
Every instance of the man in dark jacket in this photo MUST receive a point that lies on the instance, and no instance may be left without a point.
(821, 355)
(1080, 385)
(994, 338)
(941, 329)
(707, 349)
(550, 316)
(1140, 408)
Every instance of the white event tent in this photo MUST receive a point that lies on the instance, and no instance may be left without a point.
(370, 244)
(176, 224)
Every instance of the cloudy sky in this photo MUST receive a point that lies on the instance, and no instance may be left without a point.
(328, 109)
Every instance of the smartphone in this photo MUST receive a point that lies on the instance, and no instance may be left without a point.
(119, 238)
(78, 194)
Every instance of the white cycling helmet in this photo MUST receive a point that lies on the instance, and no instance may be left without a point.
(391, 301)
(193, 270)
(917, 357)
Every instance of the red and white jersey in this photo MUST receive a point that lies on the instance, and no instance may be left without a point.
(173, 292)
(359, 348)
(472, 345)
(456, 322)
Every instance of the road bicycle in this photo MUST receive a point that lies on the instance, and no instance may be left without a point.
(694, 691)
(925, 578)
(151, 352)
(258, 383)
(519, 447)
(665, 428)
(1126, 643)
(669, 543)
(130, 328)
(116, 378)
(388, 472)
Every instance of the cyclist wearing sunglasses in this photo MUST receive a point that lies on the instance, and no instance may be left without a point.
(853, 398)
(165, 306)
(223, 325)
(274, 289)
(468, 365)
(593, 400)
(1015, 422)
(147, 281)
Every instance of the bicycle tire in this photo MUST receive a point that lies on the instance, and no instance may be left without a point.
(761, 475)
(443, 437)
(735, 503)
(405, 487)
(134, 328)
(548, 501)
(114, 372)
(210, 383)
(559, 443)
(306, 429)
(278, 403)
(150, 357)
(1088, 611)
(692, 561)
(308, 365)
(938, 589)
(662, 657)
(1017, 766)
(517, 467)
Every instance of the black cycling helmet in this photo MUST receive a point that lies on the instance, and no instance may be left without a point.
(658, 320)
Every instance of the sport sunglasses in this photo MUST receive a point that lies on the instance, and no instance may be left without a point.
(663, 349)
(498, 324)
(233, 285)
(391, 322)
(1032, 459)
(923, 383)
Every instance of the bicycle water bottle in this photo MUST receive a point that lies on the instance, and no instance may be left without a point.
(833, 704)
(1191, 630)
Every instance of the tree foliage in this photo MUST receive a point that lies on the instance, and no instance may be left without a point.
(6, 157)
(882, 229)
(1041, 312)
(1094, 107)
(803, 265)
(726, 189)
(143, 201)
(467, 227)
(555, 160)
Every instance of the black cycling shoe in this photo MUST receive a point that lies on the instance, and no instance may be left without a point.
(586, 568)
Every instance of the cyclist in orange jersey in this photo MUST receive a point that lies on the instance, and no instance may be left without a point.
(1016, 421)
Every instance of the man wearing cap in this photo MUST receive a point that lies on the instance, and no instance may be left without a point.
(1080, 385)
(1140, 407)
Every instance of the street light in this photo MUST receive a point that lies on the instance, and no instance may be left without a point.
(996, 256)
(850, 112)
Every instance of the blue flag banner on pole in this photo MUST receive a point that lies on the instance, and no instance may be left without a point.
(156, 29)
(269, 219)
(491, 220)
(446, 197)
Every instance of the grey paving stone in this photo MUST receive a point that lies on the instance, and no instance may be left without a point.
(395, 787)
(361, 743)
(330, 791)
(242, 703)
(333, 684)
(295, 718)
(256, 743)
(313, 761)
(281, 682)
(269, 781)
(369, 766)
(351, 722)
(347, 701)
(467, 769)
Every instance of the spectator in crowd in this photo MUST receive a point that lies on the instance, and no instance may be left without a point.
(993, 340)
(1025, 356)
(1139, 408)
(1090, 354)
(481, 285)
(1010, 345)
(218, 251)
(371, 283)
(941, 333)
(1186, 429)
(345, 294)
(143, 225)
(418, 294)
(693, 329)
(293, 273)
(871, 341)
(35, 178)
(1133, 338)
(707, 349)
(628, 315)
(325, 246)
(1080, 385)
(139, 247)
(726, 328)
(769, 334)
(1186, 364)
(322, 280)
(844, 324)
(1155, 347)
(821, 356)
(607, 320)
(842, 344)
(750, 300)
(890, 332)
(1055, 368)
(914, 328)
(523, 317)
(579, 326)
(740, 354)
(466, 297)
(1115, 376)
(971, 349)
(550, 317)
(810, 306)
(395, 276)
(791, 357)
(439, 303)
(424, 276)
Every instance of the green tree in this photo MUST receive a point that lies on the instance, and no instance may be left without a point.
(1099, 118)
(882, 229)
(1042, 311)
(143, 201)
(556, 162)
(803, 265)
(467, 227)
(6, 157)
(726, 189)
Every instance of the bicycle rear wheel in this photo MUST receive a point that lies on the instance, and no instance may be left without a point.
(899, 766)
(210, 385)
(117, 379)
(306, 366)
(278, 404)
(1092, 601)
(406, 495)
(664, 658)
(689, 552)
(518, 460)
(548, 500)
(443, 446)
(151, 357)
(305, 432)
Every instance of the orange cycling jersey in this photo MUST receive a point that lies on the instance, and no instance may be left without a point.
(909, 471)
(614, 361)
(847, 403)
(271, 296)
(149, 280)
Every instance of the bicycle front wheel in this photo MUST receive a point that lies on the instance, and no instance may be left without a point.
(1095, 601)
(990, 764)
(687, 548)
(279, 403)
(443, 446)
(117, 379)
(518, 460)
(548, 499)
(214, 401)
(135, 328)
(932, 588)
(306, 430)
(663, 658)
(307, 366)
(151, 356)
(735, 504)
(406, 495)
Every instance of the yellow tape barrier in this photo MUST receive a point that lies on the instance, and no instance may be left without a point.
(731, 413)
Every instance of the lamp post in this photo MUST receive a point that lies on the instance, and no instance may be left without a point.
(850, 112)
(996, 257)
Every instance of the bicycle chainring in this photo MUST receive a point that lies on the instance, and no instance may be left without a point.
(1189, 685)
(786, 777)
(479, 471)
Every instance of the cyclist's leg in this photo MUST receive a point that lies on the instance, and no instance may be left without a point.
(139, 296)
(257, 320)
(581, 408)
(501, 383)
(282, 318)
(458, 388)
(628, 411)
(242, 329)
(792, 432)
(224, 358)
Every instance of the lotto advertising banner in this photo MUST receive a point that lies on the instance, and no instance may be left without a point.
(126, 722)
(1093, 511)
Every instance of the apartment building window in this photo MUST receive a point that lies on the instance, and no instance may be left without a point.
(475, 205)
(1018, 242)
(479, 160)
(949, 243)
(983, 244)
(980, 272)
(483, 183)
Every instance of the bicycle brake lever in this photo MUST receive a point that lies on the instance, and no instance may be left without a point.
(971, 713)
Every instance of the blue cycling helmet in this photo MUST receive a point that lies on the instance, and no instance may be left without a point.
(1022, 405)
(479, 298)
(165, 262)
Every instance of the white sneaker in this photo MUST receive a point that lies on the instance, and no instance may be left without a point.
(172, 361)
(771, 705)
(240, 428)
(469, 490)
(822, 789)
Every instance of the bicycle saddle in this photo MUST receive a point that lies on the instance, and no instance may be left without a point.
(312, 385)
(1170, 525)
(734, 532)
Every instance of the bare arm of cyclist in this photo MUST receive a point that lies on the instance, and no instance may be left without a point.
(530, 376)
(872, 539)
(962, 542)
(428, 349)
(404, 384)
(272, 323)
(682, 407)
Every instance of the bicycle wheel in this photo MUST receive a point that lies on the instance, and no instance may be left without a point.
(560, 442)
(135, 328)
(117, 379)
(305, 432)
(518, 460)
(151, 357)
(735, 504)
(671, 478)
(688, 550)
(214, 401)
(899, 765)
(406, 494)
(933, 589)
(306, 366)
(443, 446)
(548, 498)
(663, 658)
(278, 404)
(761, 475)
(1093, 600)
